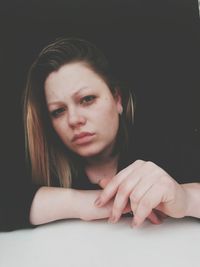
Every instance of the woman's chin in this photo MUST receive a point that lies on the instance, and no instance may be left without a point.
(88, 152)
(98, 151)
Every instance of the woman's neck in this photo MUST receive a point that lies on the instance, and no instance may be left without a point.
(102, 158)
(104, 167)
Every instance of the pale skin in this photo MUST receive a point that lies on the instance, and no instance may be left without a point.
(76, 96)
(148, 187)
(51, 204)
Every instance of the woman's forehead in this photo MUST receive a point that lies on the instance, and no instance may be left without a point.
(72, 73)
(72, 79)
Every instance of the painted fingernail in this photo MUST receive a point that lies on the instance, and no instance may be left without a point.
(98, 202)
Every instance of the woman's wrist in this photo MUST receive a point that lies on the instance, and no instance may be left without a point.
(85, 208)
(192, 191)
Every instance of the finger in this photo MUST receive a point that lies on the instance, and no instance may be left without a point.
(133, 187)
(120, 204)
(154, 218)
(151, 199)
(123, 195)
(151, 174)
(127, 209)
(112, 187)
(103, 182)
(160, 214)
(143, 185)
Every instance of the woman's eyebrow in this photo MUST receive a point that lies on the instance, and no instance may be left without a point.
(73, 95)
(81, 89)
(54, 103)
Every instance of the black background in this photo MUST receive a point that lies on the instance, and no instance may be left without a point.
(152, 45)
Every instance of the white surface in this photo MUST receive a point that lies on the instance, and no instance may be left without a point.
(75, 243)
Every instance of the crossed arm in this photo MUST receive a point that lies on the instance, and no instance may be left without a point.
(148, 188)
(142, 187)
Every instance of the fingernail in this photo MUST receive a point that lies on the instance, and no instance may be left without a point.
(98, 202)
(159, 221)
(112, 219)
(134, 224)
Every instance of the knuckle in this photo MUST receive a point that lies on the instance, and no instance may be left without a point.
(106, 196)
(103, 196)
(167, 181)
(138, 161)
(123, 189)
(119, 177)
(151, 164)
(134, 198)
(117, 210)
(145, 205)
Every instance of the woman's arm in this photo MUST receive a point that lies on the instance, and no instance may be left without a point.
(52, 203)
(148, 187)
(193, 199)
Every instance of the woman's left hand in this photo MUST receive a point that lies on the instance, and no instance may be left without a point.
(148, 187)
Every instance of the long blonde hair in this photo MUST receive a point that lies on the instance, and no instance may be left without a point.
(48, 158)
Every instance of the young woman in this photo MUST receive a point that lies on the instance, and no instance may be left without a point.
(78, 124)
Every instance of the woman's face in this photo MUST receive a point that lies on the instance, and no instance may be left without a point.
(83, 111)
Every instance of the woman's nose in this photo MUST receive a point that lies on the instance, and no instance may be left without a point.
(75, 118)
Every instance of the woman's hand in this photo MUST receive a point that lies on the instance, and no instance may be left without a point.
(148, 187)
(155, 217)
(84, 205)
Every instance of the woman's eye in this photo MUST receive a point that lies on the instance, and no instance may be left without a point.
(87, 99)
(57, 112)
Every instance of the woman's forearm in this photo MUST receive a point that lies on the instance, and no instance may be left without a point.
(193, 199)
(52, 203)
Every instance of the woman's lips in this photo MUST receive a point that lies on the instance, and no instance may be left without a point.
(83, 138)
